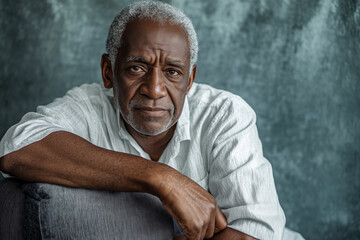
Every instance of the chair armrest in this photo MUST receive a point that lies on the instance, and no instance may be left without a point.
(58, 212)
(12, 201)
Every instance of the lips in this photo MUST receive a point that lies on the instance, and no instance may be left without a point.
(151, 111)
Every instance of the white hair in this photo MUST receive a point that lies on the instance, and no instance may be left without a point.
(156, 11)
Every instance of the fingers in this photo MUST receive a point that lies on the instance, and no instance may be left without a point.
(211, 225)
(217, 223)
(220, 220)
(200, 230)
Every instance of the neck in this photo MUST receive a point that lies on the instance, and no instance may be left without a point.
(153, 145)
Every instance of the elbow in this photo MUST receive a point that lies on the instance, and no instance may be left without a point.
(7, 164)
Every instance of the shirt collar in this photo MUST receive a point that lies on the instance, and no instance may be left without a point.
(124, 134)
(182, 131)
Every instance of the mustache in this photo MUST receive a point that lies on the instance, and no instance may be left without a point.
(141, 103)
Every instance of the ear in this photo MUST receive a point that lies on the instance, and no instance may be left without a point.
(191, 78)
(106, 71)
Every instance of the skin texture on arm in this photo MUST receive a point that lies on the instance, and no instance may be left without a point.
(226, 234)
(231, 234)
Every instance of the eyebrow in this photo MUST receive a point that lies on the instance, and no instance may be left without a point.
(135, 59)
(174, 63)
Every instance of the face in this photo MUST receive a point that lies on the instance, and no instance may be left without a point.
(151, 76)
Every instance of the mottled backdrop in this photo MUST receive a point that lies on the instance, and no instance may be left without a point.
(297, 63)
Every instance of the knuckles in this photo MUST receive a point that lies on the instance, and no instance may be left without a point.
(196, 211)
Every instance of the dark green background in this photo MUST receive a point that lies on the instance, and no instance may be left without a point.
(296, 62)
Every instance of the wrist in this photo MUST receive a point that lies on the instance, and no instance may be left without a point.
(159, 180)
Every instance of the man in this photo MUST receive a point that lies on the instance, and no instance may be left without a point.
(152, 129)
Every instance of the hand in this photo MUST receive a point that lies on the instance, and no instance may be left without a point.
(193, 208)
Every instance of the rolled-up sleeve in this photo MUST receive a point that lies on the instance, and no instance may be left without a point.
(241, 179)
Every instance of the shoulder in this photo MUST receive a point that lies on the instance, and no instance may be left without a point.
(88, 92)
(85, 104)
(86, 96)
(216, 105)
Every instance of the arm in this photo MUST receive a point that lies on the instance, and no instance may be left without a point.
(240, 178)
(66, 159)
(231, 234)
(226, 234)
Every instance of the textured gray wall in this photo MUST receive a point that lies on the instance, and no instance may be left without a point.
(296, 62)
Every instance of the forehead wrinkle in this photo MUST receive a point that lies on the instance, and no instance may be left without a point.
(168, 60)
(135, 59)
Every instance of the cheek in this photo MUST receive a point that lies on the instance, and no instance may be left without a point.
(125, 93)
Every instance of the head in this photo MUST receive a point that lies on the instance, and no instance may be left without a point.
(152, 50)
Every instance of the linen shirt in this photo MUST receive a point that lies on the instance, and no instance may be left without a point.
(215, 143)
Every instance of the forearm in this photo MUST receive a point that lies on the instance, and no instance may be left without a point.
(226, 234)
(66, 159)
(231, 234)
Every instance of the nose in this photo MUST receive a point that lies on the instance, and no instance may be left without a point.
(153, 86)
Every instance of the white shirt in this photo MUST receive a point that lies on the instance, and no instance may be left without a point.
(215, 143)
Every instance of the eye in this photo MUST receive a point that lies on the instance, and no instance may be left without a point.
(135, 69)
(173, 72)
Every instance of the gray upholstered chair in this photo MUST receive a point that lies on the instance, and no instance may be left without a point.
(45, 211)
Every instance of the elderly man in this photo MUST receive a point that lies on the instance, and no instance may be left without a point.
(152, 129)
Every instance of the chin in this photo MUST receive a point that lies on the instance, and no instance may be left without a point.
(149, 126)
(150, 131)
